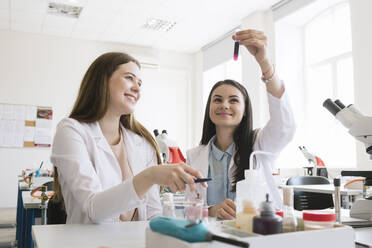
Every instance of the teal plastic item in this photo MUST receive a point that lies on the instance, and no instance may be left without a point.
(177, 228)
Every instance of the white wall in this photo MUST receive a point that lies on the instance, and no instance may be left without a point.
(361, 19)
(197, 117)
(46, 70)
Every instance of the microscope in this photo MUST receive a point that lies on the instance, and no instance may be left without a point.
(360, 127)
(316, 165)
(169, 149)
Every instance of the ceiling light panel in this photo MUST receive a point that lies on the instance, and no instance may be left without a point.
(159, 25)
(64, 9)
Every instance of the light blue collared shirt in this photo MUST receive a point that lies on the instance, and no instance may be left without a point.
(220, 187)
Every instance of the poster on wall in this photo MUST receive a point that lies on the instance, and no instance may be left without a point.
(43, 126)
(25, 125)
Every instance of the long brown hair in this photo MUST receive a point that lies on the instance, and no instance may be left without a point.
(93, 98)
(244, 135)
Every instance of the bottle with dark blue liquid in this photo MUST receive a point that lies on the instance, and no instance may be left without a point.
(267, 222)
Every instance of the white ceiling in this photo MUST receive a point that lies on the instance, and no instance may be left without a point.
(199, 22)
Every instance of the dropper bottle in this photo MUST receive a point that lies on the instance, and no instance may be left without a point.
(267, 222)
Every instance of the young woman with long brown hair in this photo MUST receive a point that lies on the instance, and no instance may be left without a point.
(106, 163)
(229, 139)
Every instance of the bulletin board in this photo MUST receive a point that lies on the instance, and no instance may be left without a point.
(25, 125)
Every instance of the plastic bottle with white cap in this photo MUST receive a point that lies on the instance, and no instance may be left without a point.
(252, 188)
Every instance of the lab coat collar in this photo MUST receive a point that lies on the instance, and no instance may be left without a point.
(100, 139)
(132, 145)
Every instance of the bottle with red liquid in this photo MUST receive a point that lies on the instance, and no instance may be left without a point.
(268, 222)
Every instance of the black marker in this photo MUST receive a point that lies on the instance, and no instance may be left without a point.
(201, 180)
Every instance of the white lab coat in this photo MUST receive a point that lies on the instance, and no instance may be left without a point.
(277, 133)
(90, 174)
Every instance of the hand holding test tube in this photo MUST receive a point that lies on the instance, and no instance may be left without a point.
(256, 43)
(236, 47)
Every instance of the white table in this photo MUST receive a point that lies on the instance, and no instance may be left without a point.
(122, 234)
(364, 235)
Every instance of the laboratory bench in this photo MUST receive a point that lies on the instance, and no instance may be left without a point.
(133, 234)
(28, 208)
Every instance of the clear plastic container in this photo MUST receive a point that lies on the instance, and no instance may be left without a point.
(168, 205)
(318, 220)
(190, 207)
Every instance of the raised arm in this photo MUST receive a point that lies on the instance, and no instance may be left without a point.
(256, 43)
(281, 127)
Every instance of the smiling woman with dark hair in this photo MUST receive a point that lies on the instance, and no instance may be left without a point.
(229, 139)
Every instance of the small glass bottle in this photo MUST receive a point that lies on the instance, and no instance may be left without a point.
(168, 205)
(289, 218)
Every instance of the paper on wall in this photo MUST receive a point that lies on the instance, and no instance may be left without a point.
(19, 112)
(29, 134)
(11, 133)
(31, 113)
(43, 136)
(8, 112)
(44, 123)
(22, 124)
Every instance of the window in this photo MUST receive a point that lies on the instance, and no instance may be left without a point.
(327, 72)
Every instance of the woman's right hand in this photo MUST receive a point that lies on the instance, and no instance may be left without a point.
(226, 210)
(175, 175)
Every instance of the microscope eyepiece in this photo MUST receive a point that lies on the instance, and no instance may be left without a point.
(156, 132)
(331, 106)
(369, 150)
(340, 104)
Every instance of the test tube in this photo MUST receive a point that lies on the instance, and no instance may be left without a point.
(236, 50)
(236, 47)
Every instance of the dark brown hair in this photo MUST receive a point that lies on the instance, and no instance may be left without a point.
(244, 135)
(93, 98)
